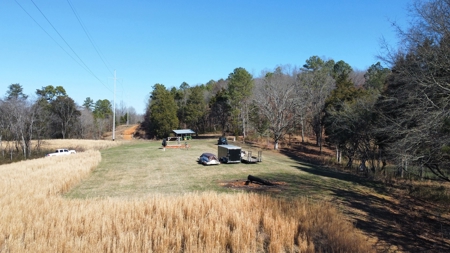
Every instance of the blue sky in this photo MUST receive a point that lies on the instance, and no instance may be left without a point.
(171, 42)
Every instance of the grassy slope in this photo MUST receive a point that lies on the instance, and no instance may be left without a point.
(140, 168)
(137, 169)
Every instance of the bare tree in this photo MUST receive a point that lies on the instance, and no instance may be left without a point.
(302, 102)
(414, 117)
(133, 117)
(274, 95)
(18, 118)
(358, 77)
(121, 112)
(4, 124)
(317, 84)
(86, 126)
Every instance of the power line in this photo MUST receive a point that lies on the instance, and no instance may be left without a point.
(89, 36)
(90, 71)
(50, 35)
(73, 51)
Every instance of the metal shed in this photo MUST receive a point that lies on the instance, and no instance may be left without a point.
(184, 134)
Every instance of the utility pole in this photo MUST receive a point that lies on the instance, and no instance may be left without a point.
(114, 109)
(128, 116)
(128, 112)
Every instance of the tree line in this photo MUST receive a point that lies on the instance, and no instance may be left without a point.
(397, 114)
(53, 114)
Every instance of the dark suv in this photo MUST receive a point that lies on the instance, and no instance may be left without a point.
(222, 141)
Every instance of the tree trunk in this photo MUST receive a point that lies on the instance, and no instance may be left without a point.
(320, 140)
(243, 126)
(63, 131)
(421, 172)
(338, 155)
(276, 139)
(303, 129)
(24, 148)
(259, 180)
(350, 162)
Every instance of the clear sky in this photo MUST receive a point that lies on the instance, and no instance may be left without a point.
(175, 41)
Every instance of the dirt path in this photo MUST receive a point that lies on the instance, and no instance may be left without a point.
(123, 132)
(128, 133)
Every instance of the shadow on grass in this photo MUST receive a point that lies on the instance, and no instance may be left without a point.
(396, 223)
(316, 167)
(405, 223)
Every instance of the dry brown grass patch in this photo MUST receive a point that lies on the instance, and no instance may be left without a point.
(79, 145)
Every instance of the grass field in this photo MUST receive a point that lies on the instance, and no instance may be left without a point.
(142, 168)
(135, 198)
(139, 169)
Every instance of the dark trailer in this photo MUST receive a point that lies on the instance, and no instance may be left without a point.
(229, 153)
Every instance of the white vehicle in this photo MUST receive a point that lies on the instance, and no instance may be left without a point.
(208, 159)
(61, 151)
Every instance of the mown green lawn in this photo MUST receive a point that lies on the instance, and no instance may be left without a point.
(139, 168)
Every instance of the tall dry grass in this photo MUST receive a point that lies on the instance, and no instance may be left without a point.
(35, 218)
(79, 145)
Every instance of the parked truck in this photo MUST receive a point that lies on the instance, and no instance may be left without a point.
(61, 151)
